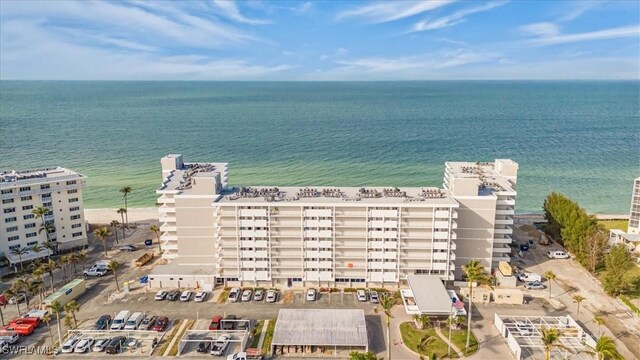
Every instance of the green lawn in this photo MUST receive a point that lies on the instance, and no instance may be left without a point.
(614, 224)
(459, 339)
(268, 337)
(411, 338)
(258, 332)
(634, 273)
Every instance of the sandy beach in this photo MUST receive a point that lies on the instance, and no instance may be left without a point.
(105, 216)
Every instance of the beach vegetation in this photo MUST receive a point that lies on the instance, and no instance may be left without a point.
(615, 279)
(113, 266)
(102, 233)
(126, 190)
(355, 355)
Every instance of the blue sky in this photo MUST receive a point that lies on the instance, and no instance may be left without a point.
(319, 40)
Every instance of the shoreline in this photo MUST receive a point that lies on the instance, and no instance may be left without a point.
(150, 214)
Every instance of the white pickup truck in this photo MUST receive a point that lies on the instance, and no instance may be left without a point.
(95, 271)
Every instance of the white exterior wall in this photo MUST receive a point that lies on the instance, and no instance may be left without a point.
(634, 212)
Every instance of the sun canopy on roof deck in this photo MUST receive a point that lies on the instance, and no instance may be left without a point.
(429, 294)
(321, 327)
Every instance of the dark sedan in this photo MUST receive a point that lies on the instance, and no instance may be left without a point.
(204, 345)
(173, 295)
(103, 322)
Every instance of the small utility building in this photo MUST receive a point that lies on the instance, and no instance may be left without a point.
(319, 331)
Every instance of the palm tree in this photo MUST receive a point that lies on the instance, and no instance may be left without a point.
(551, 340)
(114, 224)
(73, 258)
(156, 230)
(34, 288)
(82, 257)
(64, 260)
(125, 194)
(600, 321)
(51, 245)
(38, 273)
(423, 346)
(387, 302)
(40, 212)
(122, 212)
(475, 272)
(102, 233)
(113, 266)
(2, 314)
(605, 349)
(421, 320)
(49, 267)
(56, 308)
(13, 292)
(71, 308)
(46, 318)
(578, 299)
(20, 251)
(550, 275)
(22, 285)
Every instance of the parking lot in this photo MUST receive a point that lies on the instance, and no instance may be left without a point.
(193, 338)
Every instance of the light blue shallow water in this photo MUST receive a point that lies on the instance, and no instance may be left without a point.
(579, 138)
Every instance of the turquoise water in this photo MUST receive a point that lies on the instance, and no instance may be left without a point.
(579, 138)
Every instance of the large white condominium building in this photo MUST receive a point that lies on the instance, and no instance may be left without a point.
(634, 213)
(329, 236)
(57, 189)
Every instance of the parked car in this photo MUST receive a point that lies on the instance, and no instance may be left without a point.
(128, 248)
(373, 297)
(69, 345)
(186, 295)
(147, 323)
(35, 321)
(229, 325)
(134, 321)
(535, 285)
(161, 323)
(243, 325)
(258, 295)
(115, 345)
(83, 346)
(16, 299)
(200, 296)
(173, 295)
(311, 294)
(102, 323)
(100, 345)
(246, 295)
(215, 323)
(9, 337)
(160, 295)
(221, 345)
(234, 294)
(528, 277)
(557, 254)
(523, 328)
(204, 345)
(36, 313)
(21, 329)
(95, 272)
(272, 296)
(120, 320)
(362, 295)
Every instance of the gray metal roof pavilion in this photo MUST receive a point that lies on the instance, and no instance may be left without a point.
(321, 327)
(430, 295)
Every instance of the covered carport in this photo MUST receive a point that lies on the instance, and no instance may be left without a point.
(319, 332)
(428, 296)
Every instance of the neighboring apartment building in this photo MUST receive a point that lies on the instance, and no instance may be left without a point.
(327, 236)
(632, 236)
(57, 189)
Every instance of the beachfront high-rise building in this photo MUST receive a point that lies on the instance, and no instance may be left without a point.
(57, 189)
(634, 212)
(328, 236)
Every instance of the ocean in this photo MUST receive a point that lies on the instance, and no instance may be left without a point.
(579, 138)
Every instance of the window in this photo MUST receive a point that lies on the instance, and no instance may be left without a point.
(14, 247)
(26, 188)
(77, 234)
(75, 226)
(32, 234)
(72, 182)
(46, 196)
(12, 228)
(33, 243)
(30, 225)
(13, 238)
(27, 207)
(28, 216)
(11, 219)
(75, 217)
(45, 187)
(9, 210)
(47, 204)
(7, 201)
(6, 191)
(73, 200)
(26, 198)
(74, 208)
(72, 191)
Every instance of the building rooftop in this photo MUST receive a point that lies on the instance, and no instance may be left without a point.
(11, 178)
(428, 295)
(492, 181)
(63, 290)
(181, 179)
(330, 194)
(321, 327)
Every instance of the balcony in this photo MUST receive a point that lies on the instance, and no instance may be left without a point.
(253, 233)
(389, 265)
(389, 234)
(383, 213)
(318, 264)
(506, 202)
(318, 244)
(166, 209)
(253, 212)
(439, 224)
(384, 224)
(317, 233)
(168, 227)
(166, 200)
(254, 243)
(503, 249)
(390, 255)
(253, 223)
(383, 244)
(440, 245)
(318, 254)
(505, 212)
(254, 253)
(501, 240)
(167, 218)
(317, 213)
(441, 235)
(504, 221)
(441, 214)
(440, 256)
(318, 223)
(504, 231)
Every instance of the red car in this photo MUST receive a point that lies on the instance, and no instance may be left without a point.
(26, 320)
(161, 323)
(20, 329)
(215, 323)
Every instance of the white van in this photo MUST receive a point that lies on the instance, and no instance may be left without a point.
(528, 277)
(134, 321)
(557, 254)
(120, 320)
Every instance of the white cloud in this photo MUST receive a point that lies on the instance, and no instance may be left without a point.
(578, 8)
(541, 29)
(230, 10)
(455, 18)
(613, 33)
(303, 8)
(381, 12)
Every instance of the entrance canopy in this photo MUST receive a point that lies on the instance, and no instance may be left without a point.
(427, 295)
